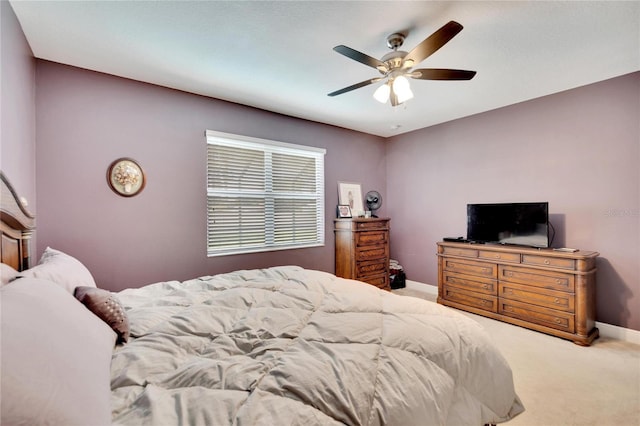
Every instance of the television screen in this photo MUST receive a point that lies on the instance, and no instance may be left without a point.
(509, 223)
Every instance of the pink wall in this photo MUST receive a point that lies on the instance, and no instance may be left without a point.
(85, 120)
(17, 108)
(578, 150)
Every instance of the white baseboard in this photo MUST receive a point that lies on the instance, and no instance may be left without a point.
(606, 330)
(618, 333)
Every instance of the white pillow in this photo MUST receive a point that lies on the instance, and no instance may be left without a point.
(55, 360)
(64, 270)
(7, 274)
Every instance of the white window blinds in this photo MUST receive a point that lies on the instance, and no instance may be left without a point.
(262, 195)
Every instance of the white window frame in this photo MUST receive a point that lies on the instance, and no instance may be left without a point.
(268, 147)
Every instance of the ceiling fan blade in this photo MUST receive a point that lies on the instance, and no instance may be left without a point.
(360, 57)
(355, 86)
(441, 74)
(434, 42)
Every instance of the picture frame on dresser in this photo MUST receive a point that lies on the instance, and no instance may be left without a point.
(350, 193)
(343, 211)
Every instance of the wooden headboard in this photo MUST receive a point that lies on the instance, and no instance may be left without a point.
(16, 227)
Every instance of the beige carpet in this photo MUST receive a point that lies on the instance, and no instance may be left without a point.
(561, 383)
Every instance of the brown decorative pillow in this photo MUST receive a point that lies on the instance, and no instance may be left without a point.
(107, 307)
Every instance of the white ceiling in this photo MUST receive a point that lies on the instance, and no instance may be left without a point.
(277, 55)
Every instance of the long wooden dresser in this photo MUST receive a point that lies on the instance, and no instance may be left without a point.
(362, 250)
(545, 290)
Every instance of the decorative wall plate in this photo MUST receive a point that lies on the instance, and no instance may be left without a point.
(125, 177)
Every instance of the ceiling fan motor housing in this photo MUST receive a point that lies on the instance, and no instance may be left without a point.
(393, 60)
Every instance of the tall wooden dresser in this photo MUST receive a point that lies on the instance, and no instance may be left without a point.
(362, 250)
(541, 289)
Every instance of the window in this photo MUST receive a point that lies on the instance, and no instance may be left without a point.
(262, 195)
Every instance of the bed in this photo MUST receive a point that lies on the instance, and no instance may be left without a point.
(282, 345)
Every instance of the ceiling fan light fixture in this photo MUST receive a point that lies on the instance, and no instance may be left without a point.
(405, 96)
(402, 89)
(382, 93)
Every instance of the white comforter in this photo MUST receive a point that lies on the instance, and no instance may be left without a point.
(291, 346)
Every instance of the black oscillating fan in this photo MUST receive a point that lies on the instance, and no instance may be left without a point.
(374, 201)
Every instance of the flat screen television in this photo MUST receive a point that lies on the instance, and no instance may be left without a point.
(525, 224)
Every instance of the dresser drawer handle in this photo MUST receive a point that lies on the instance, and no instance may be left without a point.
(557, 300)
(558, 281)
(546, 261)
(497, 256)
(485, 286)
(509, 274)
(486, 302)
(485, 269)
(558, 321)
(508, 291)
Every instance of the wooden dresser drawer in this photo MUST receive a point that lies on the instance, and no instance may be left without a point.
(464, 252)
(482, 269)
(537, 278)
(552, 318)
(494, 255)
(470, 283)
(469, 298)
(549, 262)
(380, 281)
(372, 252)
(371, 238)
(538, 296)
(372, 224)
(364, 269)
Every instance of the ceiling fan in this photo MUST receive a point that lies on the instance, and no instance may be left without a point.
(396, 66)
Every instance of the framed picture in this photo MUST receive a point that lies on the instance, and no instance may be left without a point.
(344, 211)
(350, 194)
(125, 177)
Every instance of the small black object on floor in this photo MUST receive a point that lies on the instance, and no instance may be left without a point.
(396, 275)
